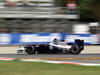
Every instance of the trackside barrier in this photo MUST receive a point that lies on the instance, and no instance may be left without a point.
(44, 38)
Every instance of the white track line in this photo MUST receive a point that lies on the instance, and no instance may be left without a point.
(47, 61)
(62, 62)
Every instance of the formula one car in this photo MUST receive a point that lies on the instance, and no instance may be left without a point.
(54, 48)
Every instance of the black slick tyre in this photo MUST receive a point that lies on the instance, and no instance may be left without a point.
(75, 49)
(30, 50)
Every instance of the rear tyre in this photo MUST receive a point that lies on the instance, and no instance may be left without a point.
(75, 49)
(30, 49)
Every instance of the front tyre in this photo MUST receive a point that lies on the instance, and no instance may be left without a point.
(75, 49)
(30, 49)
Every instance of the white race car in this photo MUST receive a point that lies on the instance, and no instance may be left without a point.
(52, 48)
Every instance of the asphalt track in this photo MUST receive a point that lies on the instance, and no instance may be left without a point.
(54, 56)
(91, 54)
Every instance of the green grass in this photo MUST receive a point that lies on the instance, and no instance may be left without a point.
(35, 68)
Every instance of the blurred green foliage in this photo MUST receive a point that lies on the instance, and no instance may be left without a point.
(89, 10)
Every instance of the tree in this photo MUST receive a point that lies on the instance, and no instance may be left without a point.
(95, 8)
(90, 10)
